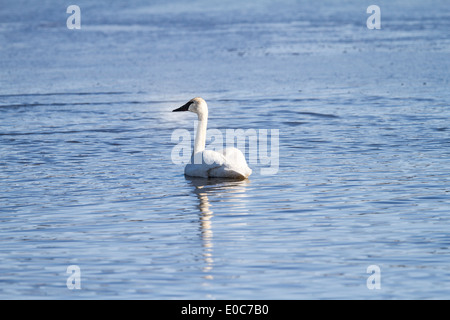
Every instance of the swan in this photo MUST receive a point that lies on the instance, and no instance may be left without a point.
(228, 163)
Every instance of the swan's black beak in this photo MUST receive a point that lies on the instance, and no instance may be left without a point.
(184, 107)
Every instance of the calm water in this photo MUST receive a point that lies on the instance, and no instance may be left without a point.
(86, 175)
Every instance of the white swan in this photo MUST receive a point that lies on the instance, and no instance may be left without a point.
(227, 163)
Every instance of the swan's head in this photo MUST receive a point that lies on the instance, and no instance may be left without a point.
(196, 105)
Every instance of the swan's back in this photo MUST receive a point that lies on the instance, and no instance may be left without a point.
(228, 163)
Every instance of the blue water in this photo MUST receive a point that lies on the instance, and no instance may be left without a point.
(87, 178)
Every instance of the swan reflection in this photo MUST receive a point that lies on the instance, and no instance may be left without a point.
(219, 191)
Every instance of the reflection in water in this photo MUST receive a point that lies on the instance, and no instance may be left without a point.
(224, 191)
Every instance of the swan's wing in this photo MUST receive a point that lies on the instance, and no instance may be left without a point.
(235, 161)
(213, 159)
(233, 155)
(203, 162)
(224, 164)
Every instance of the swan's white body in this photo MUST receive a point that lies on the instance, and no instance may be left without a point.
(228, 163)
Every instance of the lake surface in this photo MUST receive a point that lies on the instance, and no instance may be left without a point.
(87, 177)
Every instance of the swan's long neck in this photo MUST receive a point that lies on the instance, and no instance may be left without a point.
(200, 138)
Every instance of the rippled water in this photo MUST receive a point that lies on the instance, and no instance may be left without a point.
(87, 178)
